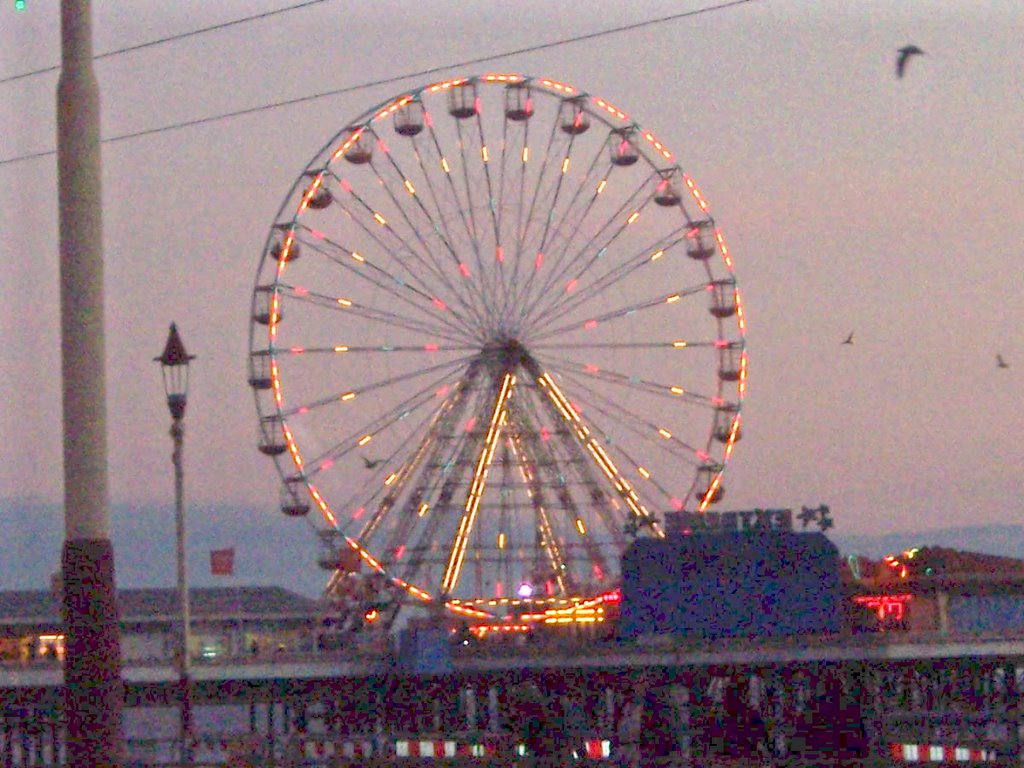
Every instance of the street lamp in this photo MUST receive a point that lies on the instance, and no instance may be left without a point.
(174, 363)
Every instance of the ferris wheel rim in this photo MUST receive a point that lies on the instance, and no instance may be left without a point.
(286, 226)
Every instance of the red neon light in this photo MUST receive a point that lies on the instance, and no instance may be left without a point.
(886, 606)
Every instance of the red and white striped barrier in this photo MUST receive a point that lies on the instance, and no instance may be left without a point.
(936, 753)
(314, 749)
(419, 748)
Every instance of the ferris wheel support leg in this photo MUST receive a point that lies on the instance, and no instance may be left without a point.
(92, 674)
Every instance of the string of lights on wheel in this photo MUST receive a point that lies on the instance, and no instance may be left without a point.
(495, 333)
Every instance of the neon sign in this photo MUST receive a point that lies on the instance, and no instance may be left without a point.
(886, 607)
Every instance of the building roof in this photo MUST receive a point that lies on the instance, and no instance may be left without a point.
(42, 606)
(947, 560)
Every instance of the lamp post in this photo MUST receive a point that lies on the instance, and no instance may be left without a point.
(174, 364)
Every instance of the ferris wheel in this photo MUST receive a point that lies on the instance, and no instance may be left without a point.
(495, 334)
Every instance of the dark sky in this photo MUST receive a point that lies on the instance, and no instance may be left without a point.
(852, 201)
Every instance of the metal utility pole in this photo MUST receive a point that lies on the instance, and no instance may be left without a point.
(94, 693)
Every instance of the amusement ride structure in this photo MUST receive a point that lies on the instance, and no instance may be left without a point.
(495, 335)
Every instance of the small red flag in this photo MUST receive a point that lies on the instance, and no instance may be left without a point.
(222, 562)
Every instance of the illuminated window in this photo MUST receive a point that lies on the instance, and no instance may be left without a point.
(50, 647)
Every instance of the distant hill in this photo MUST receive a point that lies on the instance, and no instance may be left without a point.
(1003, 540)
(271, 549)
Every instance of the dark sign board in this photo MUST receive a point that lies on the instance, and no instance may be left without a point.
(773, 583)
(745, 521)
(729, 522)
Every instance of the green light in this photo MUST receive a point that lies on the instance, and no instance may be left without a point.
(19, 5)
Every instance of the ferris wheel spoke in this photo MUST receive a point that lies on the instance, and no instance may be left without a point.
(725, 414)
(596, 287)
(430, 448)
(422, 255)
(369, 271)
(478, 486)
(381, 384)
(561, 404)
(382, 258)
(631, 382)
(545, 192)
(560, 250)
(355, 350)
(363, 266)
(486, 168)
(432, 208)
(421, 252)
(617, 448)
(472, 226)
(588, 207)
(361, 214)
(495, 288)
(365, 432)
(563, 346)
(466, 290)
(657, 437)
(611, 416)
(565, 278)
(531, 249)
(438, 225)
(498, 205)
(562, 225)
(640, 308)
(465, 209)
(558, 563)
(574, 270)
(389, 319)
(548, 464)
(541, 194)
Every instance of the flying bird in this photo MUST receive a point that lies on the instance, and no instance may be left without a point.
(903, 55)
(1000, 363)
(849, 339)
(371, 463)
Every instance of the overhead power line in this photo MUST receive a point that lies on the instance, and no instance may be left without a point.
(396, 78)
(170, 39)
